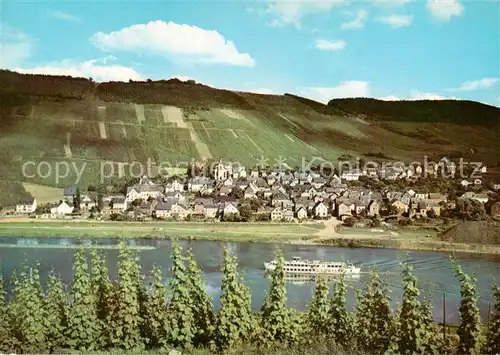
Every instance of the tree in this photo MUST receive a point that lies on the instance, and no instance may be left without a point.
(350, 221)
(339, 319)
(156, 325)
(8, 341)
(204, 317)
(245, 213)
(493, 335)
(237, 193)
(235, 322)
(56, 307)
(275, 317)
(125, 320)
(100, 201)
(412, 337)
(77, 200)
(28, 310)
(105, 297)
(470, 209)
(469, 330)
(180, 308)
(374, 325)
(316, 322)
(84, 329)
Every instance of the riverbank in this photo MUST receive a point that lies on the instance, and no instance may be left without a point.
(324, 234)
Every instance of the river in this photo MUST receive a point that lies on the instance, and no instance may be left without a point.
(433, 269)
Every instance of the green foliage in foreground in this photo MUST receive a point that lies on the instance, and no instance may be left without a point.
(128, 316)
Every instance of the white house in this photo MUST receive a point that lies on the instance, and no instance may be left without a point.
(229, 208)
(61, 210)
(320, 210)
(119, 204)
(351, 175)
(28, 205)
(143, 191)
(173, 186)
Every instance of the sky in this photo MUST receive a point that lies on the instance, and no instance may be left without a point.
(390, 50)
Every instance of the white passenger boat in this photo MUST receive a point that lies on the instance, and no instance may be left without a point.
(314, 267)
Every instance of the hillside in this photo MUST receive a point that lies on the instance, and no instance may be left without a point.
(474, 232)
(57, 118)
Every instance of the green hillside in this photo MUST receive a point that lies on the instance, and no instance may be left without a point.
(63, 119)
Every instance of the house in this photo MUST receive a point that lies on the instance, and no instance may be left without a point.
(277, 214)
(180, 211)
(344, 208)
(281, 200)
(88, 200)
(69, 193)
(400, 206)
(483, 198)
(198, 183)
(206, 208)
(239, 172)
(435, 198)
(62, 209)
(229, 208)
(250, 191)
(144, 191)
(174, 185)
(320, 210)
(361, 205)
(351, 175)
(288, 215)
(118, 204)
(495, 209)
(242, 184)
(163, 210)
(27, 205)
(221, 172)
(373, 208)
(224, 191)
(496, 186)
(175, 195)
(301, 213)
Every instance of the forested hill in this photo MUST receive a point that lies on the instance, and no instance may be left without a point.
(438, 111)
(55, 119)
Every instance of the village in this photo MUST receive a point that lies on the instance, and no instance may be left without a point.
(229, 193)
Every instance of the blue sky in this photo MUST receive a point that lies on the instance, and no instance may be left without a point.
(391, 50)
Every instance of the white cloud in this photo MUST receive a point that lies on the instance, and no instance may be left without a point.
(417, 95)
(397, 21)
(15, 47)
(478, 84)
(61, 15)
(389, 98)
(98, 69)
(169, 39)
(444, 10)
(265, 91)
(288, 12)
(327, 45)
(345, 89)
(358, 22)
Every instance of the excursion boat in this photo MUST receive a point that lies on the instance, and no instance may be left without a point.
(314, 267)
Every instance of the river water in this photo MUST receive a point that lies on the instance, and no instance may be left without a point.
(433, 270)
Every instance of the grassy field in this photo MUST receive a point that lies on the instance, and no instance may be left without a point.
(306, 234)
(44, 194)
(216, 231)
